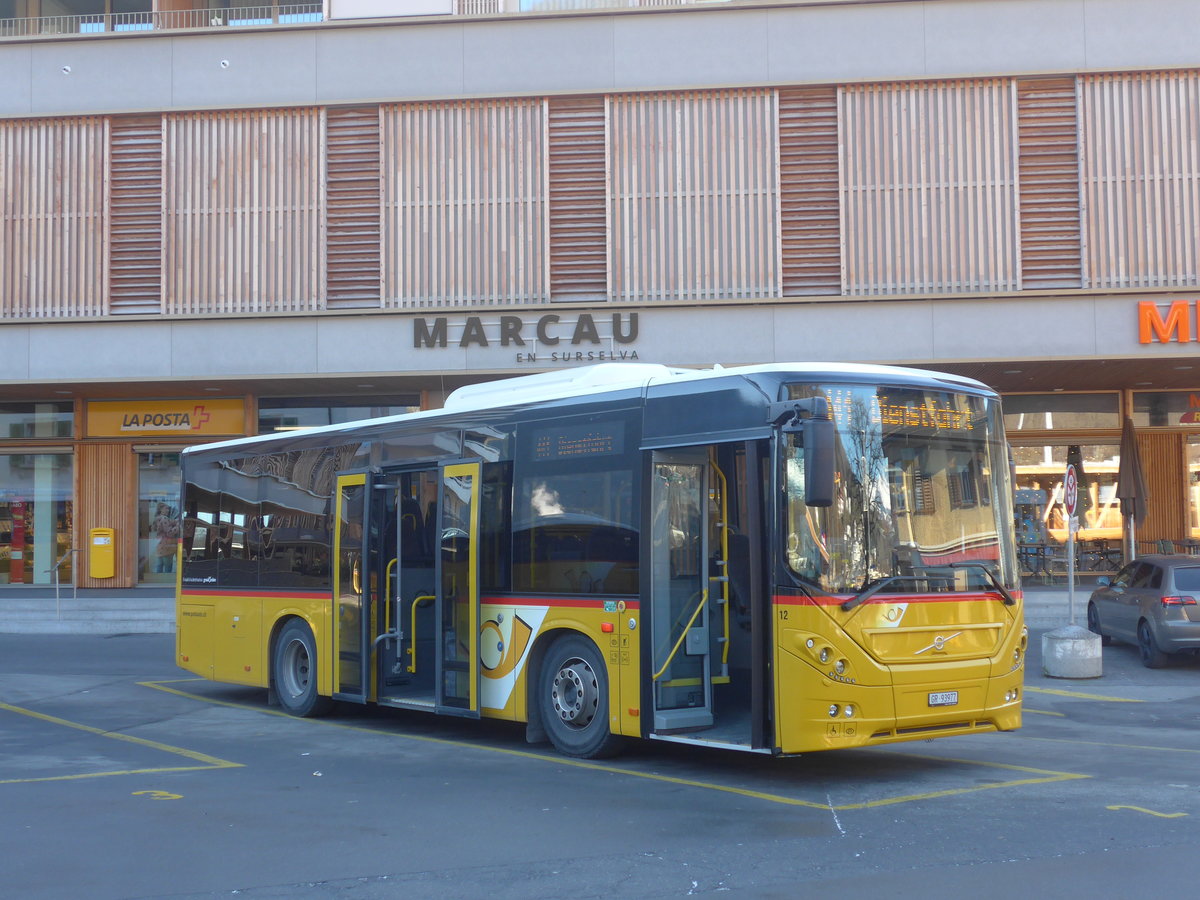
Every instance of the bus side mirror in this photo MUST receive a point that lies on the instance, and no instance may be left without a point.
(818, 462)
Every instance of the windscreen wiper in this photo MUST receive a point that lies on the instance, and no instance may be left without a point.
(864, 596)
(1009, 599)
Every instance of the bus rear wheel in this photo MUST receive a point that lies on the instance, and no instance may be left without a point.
(295, 671)
(573, 697)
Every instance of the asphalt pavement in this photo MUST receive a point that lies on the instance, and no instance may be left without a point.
(123, 777)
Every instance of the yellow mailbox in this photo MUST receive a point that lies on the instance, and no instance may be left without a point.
(102, 553)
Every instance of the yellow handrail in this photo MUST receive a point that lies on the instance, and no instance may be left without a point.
(387, 588)
(682, 635)
(412, 635)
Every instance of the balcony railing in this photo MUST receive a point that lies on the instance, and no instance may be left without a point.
(291, 14)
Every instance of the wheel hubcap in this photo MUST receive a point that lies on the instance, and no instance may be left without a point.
(295, 674)
(575, 693)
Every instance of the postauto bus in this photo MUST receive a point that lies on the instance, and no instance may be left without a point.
(776, 558)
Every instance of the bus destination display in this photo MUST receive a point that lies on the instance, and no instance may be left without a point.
(575, 441)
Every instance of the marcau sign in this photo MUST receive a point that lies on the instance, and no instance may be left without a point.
(550, 337)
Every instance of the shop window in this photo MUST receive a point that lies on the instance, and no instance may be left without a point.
(1193, 471)
(1166, 409)
(1040, 514)
(37, 420)
(35, 518)
(1061, 411)
(159, 522)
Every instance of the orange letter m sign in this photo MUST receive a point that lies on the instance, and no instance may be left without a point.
(1152, 327)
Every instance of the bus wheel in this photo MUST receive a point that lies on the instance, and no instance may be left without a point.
(573, 694)
(295, 668)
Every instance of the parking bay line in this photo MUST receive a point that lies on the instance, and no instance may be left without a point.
(1042, 776)
(1081, 696)
(206, 761)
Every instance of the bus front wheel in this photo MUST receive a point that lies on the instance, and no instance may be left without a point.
(295, 668)
(573, 696)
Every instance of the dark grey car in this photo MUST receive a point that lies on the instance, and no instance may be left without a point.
(1153, 602)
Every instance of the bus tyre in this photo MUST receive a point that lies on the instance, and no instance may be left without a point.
(573, 696)
(295, 671)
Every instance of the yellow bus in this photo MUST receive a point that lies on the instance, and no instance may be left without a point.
(777, 558)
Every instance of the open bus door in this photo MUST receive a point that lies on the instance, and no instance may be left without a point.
(351, 587)
(406, 598)
(681, 587)
(456, 609)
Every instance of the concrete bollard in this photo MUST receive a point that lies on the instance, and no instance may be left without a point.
(1071, 652)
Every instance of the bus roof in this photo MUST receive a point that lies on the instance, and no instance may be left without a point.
(604, 378)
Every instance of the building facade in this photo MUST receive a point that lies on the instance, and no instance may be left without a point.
(211, 231)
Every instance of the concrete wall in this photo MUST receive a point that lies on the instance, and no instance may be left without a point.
(404, 59)
(923, 331)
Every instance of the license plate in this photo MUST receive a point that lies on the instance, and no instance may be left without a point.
(944, 698)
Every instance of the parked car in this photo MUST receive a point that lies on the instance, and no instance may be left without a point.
(1152, 602)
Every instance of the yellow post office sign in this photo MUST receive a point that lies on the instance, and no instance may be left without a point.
(166, 418)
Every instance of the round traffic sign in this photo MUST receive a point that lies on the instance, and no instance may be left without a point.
(1071, 490)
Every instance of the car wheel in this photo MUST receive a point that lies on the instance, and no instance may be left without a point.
(1152, 656)
(295, 671)
(573, 695)
(1093, 619)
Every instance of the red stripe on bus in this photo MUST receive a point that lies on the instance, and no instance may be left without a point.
(234, 592)
(800, 600)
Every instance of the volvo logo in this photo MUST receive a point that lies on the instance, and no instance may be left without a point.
(939, 642)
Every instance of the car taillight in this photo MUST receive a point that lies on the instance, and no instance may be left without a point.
(1179, 601)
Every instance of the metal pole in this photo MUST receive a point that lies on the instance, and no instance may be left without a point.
(1072, 524)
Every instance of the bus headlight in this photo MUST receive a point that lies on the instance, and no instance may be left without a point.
(825, 654)
(840, 667)
(834, 709)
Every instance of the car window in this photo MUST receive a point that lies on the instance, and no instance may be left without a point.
(1125, 576)
(1156, 577)
(1142, 576)
(1187, 578)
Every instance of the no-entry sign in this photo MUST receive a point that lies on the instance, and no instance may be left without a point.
(1071, 491)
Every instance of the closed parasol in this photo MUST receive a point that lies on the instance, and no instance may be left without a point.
(1131, 487)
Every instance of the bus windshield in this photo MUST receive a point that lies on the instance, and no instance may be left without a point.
(919, 481)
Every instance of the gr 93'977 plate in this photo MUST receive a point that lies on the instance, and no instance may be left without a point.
(943, 698)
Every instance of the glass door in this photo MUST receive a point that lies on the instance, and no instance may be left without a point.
(457, 603)
(679, 556)
(349, 580)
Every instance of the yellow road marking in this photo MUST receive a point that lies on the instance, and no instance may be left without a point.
(1043, 712)
(1080, 696)
(206, 761)
(1149, 812)
(1045, 776)
(1030, 737)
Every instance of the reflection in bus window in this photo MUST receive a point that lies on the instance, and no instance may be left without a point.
(574, 533)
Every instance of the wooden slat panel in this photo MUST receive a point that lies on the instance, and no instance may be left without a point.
(464, 210)
(52, 177)
(576, 149)
(243, 211)
(1163, 460)
(106, 485)
(1141, 178)
(810, 212)
(1048, 157)
(135, 217)
(929, 187)
(693, 196)
(352, 208)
